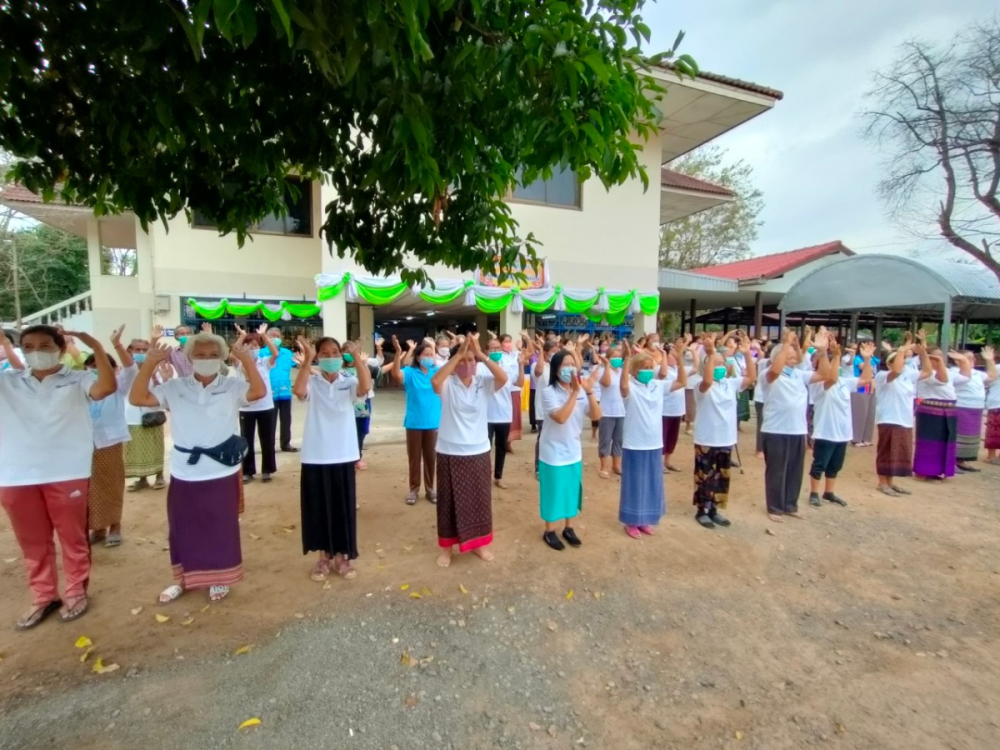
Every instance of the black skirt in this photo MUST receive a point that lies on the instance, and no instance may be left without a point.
(329, 509)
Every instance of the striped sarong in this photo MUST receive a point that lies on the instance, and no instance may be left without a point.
(937, 433)
(970, 433)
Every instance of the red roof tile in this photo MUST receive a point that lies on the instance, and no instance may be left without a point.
(19, 194)
(736, 83)
(775, 265)
(670, 178)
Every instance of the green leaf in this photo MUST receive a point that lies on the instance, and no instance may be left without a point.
(286, 21)
(595, 62)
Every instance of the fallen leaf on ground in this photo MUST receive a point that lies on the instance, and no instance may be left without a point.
(101, 668)
(769, 532)
(243, 650)
(406, 660)
(569, 594)
(187, 621)
(414, 595)
(425, 591)
(407, 549)
(162, 618)
(289, 529)
(327, 586)
(83, 642)
(206, 608)
(250, 723)
(1, 657)
(404, 587)
(86, 655)
(738, 735)
(379, 567)
(511, 609)
(254, 536)
(463, 589)
(137, 610)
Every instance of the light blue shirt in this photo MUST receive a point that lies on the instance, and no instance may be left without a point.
(423, 405)
(281, 375)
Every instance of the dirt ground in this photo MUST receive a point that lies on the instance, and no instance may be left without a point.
(874, 626)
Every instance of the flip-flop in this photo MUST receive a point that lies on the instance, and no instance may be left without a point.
(38, 615)
(411, 499)
(75, 614)
(673, 468)
(890, 491)
(218, 593)
(900, 490)
(113, 540)
(647, 530)
(96, 537)
(633, 532)
(159, 484)
(172, 594)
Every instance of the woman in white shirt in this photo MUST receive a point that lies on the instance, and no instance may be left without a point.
(565, 403)
(674, 400)
(46, 452)
(363, 403)
(144, 451)
(784, 428)
(832, 419)
(260, 416)
(612, 420)
(759, 396)
(970, 401)
(992, 406)
(715, 433)
(204, 494)
(501, 408)
(895, 388)
(641, 503)
(465, 384)
(934, 456)
(512, 365)
(327, 492)
(106, 494)
(540, 371)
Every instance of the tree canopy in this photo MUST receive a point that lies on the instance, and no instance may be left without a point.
(722, 234)
(422, 113)
(934, 115)
(51, 267)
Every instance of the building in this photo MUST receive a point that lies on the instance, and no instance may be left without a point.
(597, 245)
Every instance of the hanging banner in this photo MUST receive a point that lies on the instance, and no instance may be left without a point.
(536, 277)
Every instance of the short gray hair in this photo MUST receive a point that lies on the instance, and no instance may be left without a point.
(206, 338)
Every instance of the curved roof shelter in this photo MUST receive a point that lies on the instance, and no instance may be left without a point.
(893, 284)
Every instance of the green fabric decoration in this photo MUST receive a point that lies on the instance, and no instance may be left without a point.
(650, 304)
(329, 292)
(542, 307)
(299, 310)
(443, 298)
(209, 313)
(382, 296)
(493, 306)
(249, 310)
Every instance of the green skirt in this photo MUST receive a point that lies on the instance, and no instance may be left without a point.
(560, 490)
(743, 406)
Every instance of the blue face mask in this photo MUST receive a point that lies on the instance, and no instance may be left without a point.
(139, 358)
(277, 341)
(788, 370)
(566, 374)
(645, 376)
(718, 373)
(331, 364)
(427, 362)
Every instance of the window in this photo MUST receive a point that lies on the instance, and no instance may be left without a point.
(297, 222)
(562, 189)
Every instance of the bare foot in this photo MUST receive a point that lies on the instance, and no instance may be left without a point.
(775, 517)
(500, 483)
(444, 558)
(484, 553)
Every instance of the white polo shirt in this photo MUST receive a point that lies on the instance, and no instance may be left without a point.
(559, 444)
(201, 417)
(267, 402)
(464, 429)
(330, 435)
(832, 410)
(894, 399)
(511, 364)
(674, 402)
(715, 417)
(971, 393)
(108, 416)
(643, 419)
(785, 405)
(933, 389)
(133, 414)
(612, 404)
(45, 428)
(993, 395)
(762, 387)
(543, 383)
(500, 409)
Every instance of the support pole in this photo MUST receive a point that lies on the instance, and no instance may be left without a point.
(877, 332)
(683, 321)
(944, 332)
(965, 333)
(853, 333)
(725, 319)
(694, 314)
(781, 325)
(758, 315)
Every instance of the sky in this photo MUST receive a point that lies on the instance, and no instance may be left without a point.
(818, 176)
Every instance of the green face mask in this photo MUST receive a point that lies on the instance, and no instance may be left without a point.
(616, 362)
(182, 340)
(645, 376)
(277, 341)
(348, 358)
(496, 356)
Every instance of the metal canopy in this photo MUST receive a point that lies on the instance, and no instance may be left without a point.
(893, 283)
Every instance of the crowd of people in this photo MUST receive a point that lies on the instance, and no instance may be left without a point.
(75, 429)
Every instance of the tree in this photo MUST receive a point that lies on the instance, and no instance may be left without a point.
(420, 112)
(935, 117)
(721, 234)
(52, 267)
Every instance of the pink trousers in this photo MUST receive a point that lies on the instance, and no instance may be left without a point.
(35, 511)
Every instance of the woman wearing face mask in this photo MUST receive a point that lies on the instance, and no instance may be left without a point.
(674, 405)
(934, 455)
(784, 429)
(641, 502)
(896, 389)
(259, 416)
(612, 414)
(510, 361)
(362, 403)
(46, 452)
(443, 351)
(464, 508)
(500, 411)
(423, 414)
(144, 448)
(565, 403)
(329, 452)
(106, 494)
(204, 492)
(715, 433)
(540, 371)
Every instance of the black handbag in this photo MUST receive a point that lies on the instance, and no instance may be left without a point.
(154, 418)
(230, 452)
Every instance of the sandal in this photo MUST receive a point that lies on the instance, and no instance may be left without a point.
(432, 497)
(633, 531)
(140, 484)
(320, 571)
(900, 490)
(672, 468)
(113, 540)
(345, 569)
(170, 594)
(37, 615)
(647, 530)
(218, 593)
(75, 611)
(411, 499)
(96, 537)
(887, 490)
(159, 484)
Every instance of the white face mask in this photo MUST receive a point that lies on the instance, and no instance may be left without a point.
(41, 360)
(206, 367)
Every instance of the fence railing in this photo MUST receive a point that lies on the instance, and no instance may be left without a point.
(56, 313)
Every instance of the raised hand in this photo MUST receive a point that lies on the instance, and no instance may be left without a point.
(262, 329)
(86, 338)
(239, 331)
(116, 336)
(156, 334)
(207, 327)
(157, 356)
(867, 349)
(988, 353)
(361, 357)
(241, 351)
(410, 343)
(581, 341)
(822, 340)
(570, 346)
(956, 356)
(590, 382)
(472, 342)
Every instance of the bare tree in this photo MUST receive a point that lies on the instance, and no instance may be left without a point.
(935, 116)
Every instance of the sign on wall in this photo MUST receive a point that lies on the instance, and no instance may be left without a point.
(536, 277)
